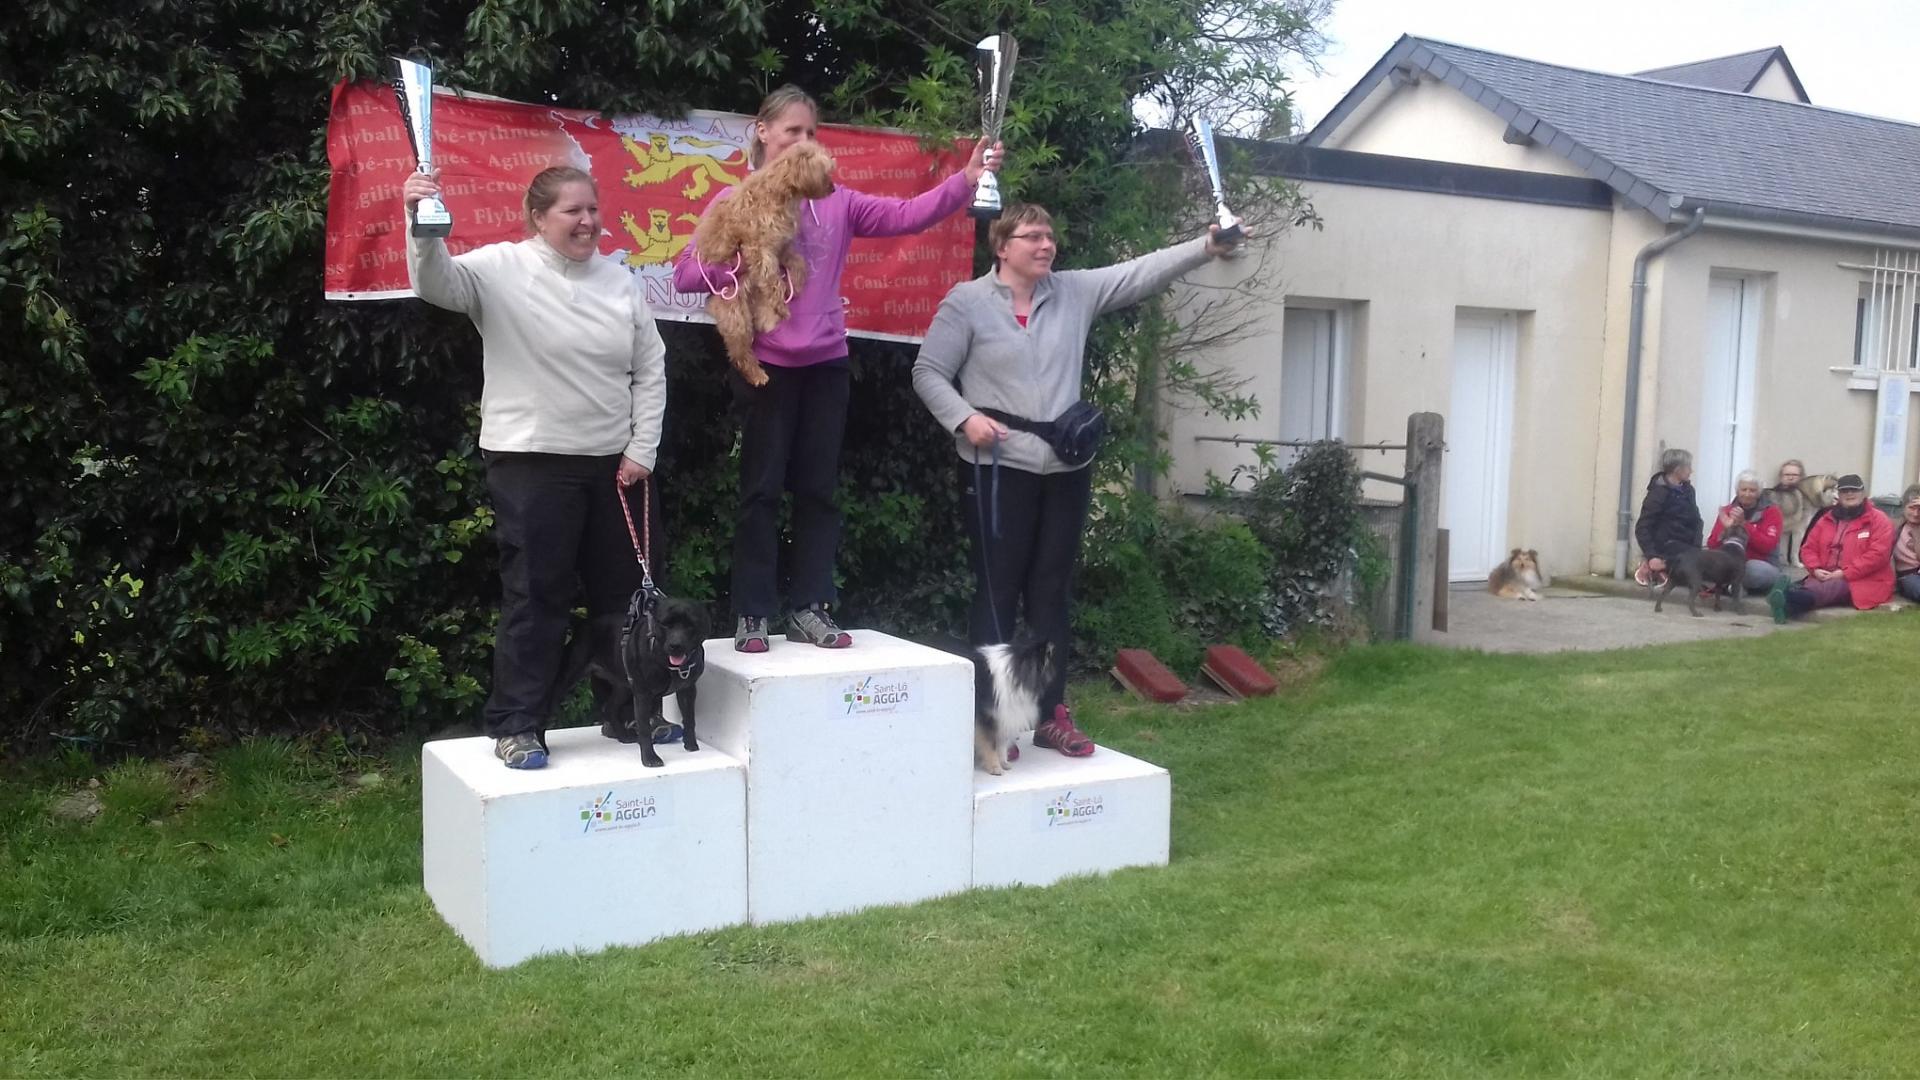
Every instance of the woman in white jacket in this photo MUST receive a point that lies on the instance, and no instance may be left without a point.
(570, 413)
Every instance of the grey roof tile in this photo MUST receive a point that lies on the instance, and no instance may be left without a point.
(1737, 73)
(1729, 149)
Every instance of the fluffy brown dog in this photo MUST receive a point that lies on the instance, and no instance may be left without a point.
(756, 225)
(1518, 577)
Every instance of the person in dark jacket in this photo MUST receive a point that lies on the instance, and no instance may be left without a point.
(1669, 517)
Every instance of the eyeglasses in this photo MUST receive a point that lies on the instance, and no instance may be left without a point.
(1036, 237)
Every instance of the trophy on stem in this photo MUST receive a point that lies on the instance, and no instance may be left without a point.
(413, 84)
(993, 61)
(1200, 139)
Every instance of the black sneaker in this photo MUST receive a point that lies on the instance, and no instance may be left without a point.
(814, 626)
(522, 751)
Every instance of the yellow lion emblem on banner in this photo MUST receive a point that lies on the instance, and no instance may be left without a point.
(659, 164)
(655, 244)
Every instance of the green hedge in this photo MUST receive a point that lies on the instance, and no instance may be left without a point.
(234, 507)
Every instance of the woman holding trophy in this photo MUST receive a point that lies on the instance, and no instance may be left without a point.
(570, 417)
(792, 426)
(1000, 369)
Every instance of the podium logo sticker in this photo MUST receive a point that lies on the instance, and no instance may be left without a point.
(874, 695)
(1068, 809)
(614, 812)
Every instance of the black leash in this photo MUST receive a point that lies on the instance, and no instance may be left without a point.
(980, 510)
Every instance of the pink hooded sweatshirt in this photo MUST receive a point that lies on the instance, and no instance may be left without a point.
(816, 331)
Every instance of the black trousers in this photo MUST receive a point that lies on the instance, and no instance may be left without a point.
(791, 430)
(558, 522)
(1028, 568)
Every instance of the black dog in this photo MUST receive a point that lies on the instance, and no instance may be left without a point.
(652, 651)
(1719, 568)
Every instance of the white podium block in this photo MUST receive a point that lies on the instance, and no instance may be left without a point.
(1050, 816)
(593, 850)
(859, 765)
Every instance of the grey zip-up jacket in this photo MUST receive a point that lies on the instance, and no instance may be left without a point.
(1032, 372)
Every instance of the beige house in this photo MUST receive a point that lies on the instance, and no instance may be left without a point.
(1578, 270)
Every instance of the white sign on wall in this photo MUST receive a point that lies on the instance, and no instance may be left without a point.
(1890, 437)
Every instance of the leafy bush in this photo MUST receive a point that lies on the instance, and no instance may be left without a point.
(1162, 579)
(1307, 516)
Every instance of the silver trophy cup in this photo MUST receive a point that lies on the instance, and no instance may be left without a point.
(1200, 138)
(413, 84)
(993, 62)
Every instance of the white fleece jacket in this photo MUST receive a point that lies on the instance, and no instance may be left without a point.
(573, 361)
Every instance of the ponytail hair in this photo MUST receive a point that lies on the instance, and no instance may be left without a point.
(776, 103)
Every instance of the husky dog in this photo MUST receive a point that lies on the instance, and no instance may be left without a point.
(1519, 578)
(1007, 683)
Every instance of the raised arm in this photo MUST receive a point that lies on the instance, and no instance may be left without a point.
(435, 276)
(879, 215)
(1130, 282)
(439, 278)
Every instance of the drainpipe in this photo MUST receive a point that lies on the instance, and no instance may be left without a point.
(1636, 329)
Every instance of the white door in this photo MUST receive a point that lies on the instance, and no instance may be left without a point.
(1309, 377)
(1726, 392)
(1479, 444)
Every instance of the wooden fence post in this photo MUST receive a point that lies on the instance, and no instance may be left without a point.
(1426, 448)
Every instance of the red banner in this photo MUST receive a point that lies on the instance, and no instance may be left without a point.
(655, 177)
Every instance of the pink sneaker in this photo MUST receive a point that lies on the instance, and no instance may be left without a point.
(1060, 734)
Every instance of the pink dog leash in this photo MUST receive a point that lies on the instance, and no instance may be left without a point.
(730, 291)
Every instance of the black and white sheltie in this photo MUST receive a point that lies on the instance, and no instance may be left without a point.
(1007, 683)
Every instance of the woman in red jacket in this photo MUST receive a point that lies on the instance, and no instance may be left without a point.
(1762, 520)
(1848, 554)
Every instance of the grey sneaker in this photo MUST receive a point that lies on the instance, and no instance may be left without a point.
(814, 626)
(522, 751)
(750, 634)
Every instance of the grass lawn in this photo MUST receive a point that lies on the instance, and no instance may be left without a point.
(1701, 859)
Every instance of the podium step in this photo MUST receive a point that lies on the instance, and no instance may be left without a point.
(828, 781)
(858, 764)
(1050, 816)
(592, 851)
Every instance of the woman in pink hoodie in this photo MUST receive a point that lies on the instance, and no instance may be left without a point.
(792, 427)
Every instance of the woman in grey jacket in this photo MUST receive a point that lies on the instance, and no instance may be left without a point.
(1012, 342)
(570, 412)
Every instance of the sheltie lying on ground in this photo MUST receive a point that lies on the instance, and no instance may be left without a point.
(1519, 578)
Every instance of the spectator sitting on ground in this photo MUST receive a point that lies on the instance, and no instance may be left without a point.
(1791, 473)
(1848, 556)
(1796, 511)
(1752, 508)
(1906, 545)
(1669, 517)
